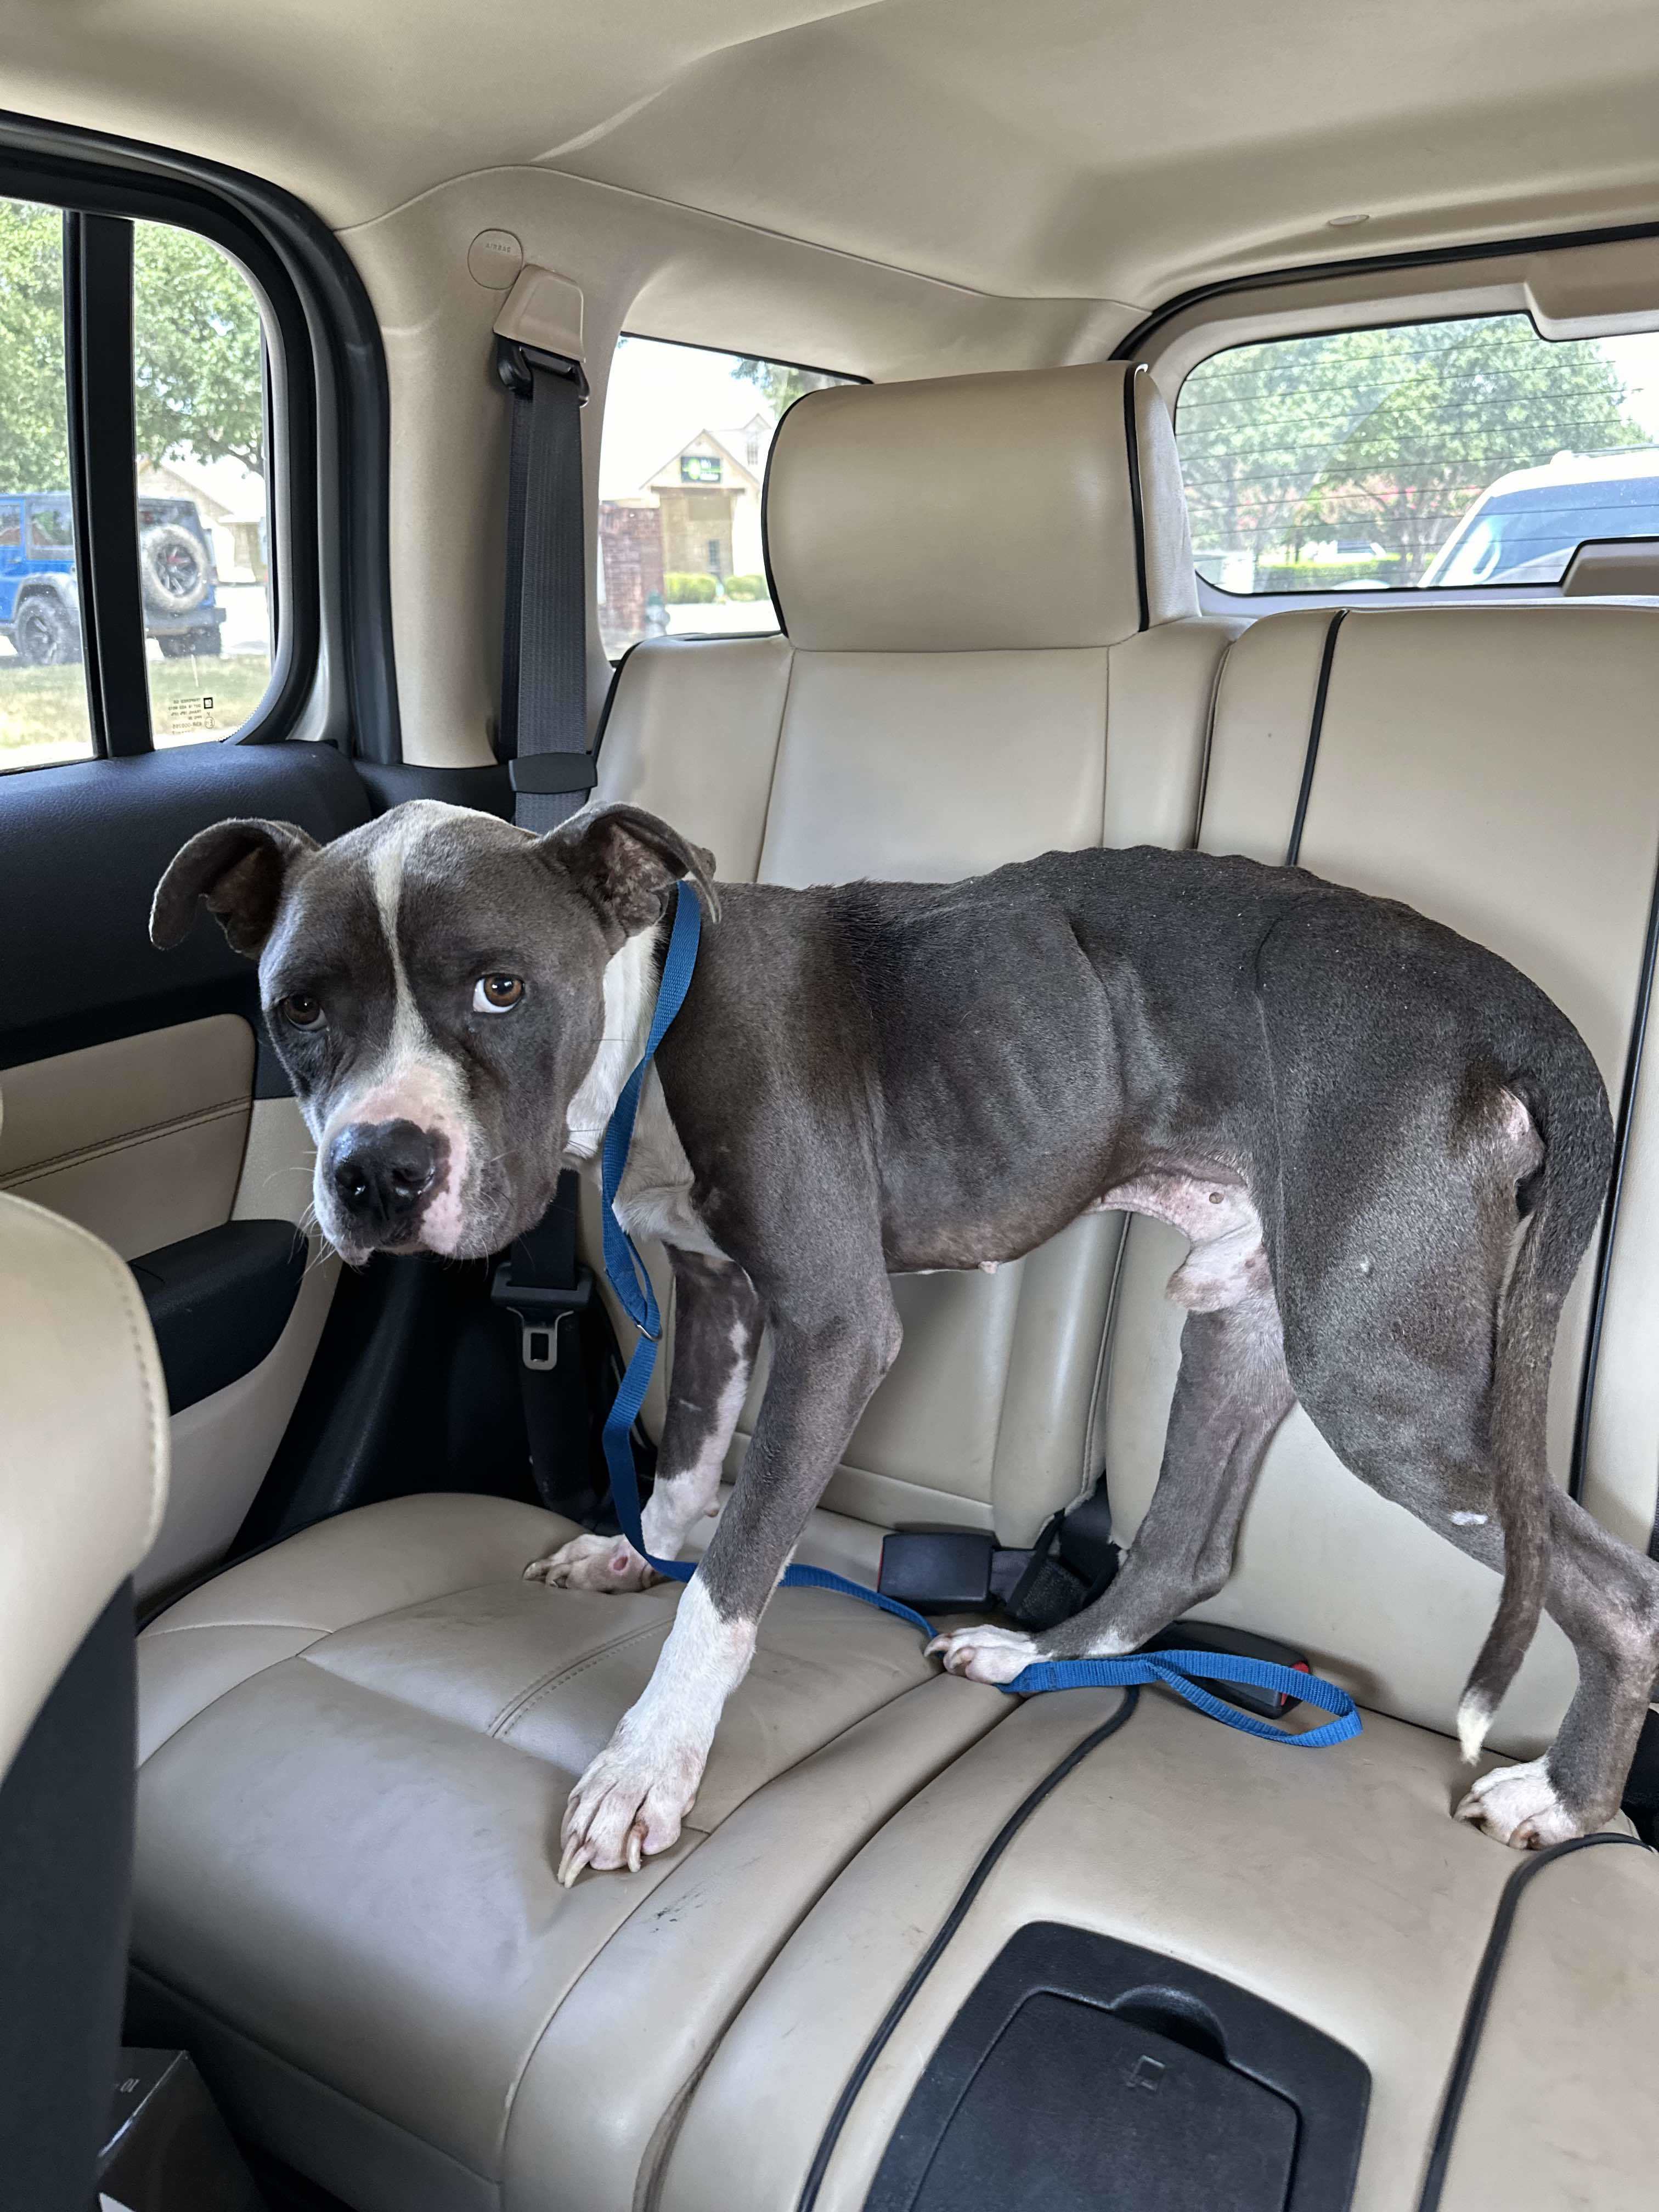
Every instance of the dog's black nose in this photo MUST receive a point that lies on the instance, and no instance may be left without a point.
(381, 1171)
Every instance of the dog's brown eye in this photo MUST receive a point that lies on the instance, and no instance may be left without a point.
(497, 994)
(302, 1009)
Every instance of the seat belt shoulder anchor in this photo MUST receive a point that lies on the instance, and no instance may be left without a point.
(516, 364)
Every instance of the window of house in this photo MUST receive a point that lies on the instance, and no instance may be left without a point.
(1427, 456)
(173, 599)
(687, 432)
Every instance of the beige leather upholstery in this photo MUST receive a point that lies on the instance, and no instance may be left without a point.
(357, 1750)
(1561, 2110)
(1330, 1883)
(140, 1141)
(1025, 481)
(1493, 768)
(83, 1449)
(965, 682)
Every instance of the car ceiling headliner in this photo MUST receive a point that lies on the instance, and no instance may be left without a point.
(1045, 148)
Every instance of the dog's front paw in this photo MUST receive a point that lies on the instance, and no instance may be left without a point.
(593, 1563)
(1520, 1806)
(985, 1655)
(629, 1804)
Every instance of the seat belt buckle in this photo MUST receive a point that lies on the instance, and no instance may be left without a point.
(941, 1570)
(540, 1309)
(1236, 1643)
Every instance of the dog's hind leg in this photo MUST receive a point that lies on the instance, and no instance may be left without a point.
(1231, 1395)
(1606, 1599)
(717, 1327)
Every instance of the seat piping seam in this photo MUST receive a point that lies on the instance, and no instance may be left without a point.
(1316, 728)
(521, 1701)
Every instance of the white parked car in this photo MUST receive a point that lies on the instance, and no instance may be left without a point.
(1524, 528)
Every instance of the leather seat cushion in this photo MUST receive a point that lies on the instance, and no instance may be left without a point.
(1333, 1883)
(358, 1748)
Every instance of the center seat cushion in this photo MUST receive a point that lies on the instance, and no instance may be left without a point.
(993, 650)
(1495, 768)
(357, 1745)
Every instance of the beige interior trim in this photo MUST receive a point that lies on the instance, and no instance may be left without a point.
(223, 1444)
(139, 1141)
(83, 1448)
(275, 1183)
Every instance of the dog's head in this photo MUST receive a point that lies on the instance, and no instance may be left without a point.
(440, 986)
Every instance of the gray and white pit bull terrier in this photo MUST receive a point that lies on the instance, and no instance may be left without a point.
(1387, 1148)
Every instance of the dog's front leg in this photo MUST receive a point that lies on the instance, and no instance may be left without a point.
(633, 1799)
(717, 1326)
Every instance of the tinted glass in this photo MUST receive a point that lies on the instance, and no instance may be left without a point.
(1407, 456)
(204, 530)
(43, 694)
(683, 458)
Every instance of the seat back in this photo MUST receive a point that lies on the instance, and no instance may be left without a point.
(1494, 768)
(83, 1442)
(992, 649)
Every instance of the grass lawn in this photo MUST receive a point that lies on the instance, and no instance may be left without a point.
(43, 711)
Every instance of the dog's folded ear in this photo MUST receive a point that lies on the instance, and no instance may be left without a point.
(626, 862)
(240, 869)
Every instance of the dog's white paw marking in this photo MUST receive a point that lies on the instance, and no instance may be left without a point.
(1519, 1806)
(985, 1655)
(593, 1563)
(630, 1803)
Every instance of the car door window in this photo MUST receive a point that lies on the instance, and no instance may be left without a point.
(44, 715)
(203, 531)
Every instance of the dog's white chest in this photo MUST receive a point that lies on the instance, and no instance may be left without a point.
(655, 1199)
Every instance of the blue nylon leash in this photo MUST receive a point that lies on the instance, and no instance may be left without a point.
(632, 1284)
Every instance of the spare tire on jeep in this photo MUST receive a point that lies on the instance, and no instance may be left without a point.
(174, 563)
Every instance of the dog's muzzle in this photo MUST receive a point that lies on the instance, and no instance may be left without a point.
(381, 1175)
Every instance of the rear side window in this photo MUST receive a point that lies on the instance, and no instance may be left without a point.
(185, 322)
(687, 432)
(1430, 456)
(203, 529)
(44, 715)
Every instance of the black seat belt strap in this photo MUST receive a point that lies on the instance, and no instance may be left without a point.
(543, 735)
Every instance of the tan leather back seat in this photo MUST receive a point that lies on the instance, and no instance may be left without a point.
(993, 650)
(1494, 768)
(357, 1745)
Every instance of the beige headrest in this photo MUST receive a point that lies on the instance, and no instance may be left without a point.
(83, 1449)
(977, 513)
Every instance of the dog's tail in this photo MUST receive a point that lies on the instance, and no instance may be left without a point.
(1561, 1200)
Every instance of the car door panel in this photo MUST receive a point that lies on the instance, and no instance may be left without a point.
(140, 1140)
(139, 1096)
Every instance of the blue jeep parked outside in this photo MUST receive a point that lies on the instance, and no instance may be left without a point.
(40, 612)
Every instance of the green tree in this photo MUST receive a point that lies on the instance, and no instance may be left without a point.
(34, 420)
(197, 348)
(782, 384)
(195, 342)
(1386, 433)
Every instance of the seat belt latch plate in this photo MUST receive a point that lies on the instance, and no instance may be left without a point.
(540, 1309)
